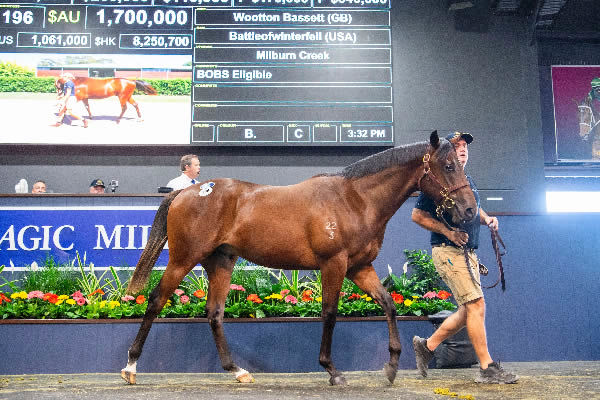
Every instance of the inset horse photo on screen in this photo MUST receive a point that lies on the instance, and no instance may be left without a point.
(111, 99)
(576, 95)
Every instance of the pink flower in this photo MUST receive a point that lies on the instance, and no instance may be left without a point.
(80, 301)
(179, 292)
(290, 299)
(77, 295)
(35, 294)
(430, 295)
(184, 299)
(284, 292)
(127, 298)
(237, 287)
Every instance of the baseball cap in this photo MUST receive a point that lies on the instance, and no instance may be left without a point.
(97, 182)
(467, 137)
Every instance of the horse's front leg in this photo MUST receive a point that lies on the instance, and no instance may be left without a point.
(158, 298)
(366, 279)
(219, 268)
(123, 103)
(332, 272)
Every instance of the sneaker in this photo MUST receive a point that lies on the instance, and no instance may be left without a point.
(85, 123)
(494, 373)
(423, 354)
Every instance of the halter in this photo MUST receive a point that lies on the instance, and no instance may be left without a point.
(593, 123)
(447, 202)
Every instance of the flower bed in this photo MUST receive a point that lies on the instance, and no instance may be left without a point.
(49, 293)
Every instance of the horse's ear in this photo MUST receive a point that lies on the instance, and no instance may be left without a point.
(434, 139)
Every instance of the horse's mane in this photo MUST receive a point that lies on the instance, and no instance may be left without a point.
(395, 156)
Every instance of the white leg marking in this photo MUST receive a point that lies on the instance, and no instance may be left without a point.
(131, 367)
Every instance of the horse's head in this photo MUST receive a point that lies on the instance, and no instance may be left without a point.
(587, 121)
(445, 181)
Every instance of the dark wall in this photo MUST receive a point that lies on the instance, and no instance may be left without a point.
(485, 82)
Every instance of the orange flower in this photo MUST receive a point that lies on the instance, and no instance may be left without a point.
(442, 294)
(199, 293)
(140, 299)
(306, 295)
(254, 298)
(97, 291)
(51, 298)
(4, 298)
(397, 297)
(354, 296)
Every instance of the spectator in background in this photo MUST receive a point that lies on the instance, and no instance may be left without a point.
(97, 186)
(39, 187)
(190, 168)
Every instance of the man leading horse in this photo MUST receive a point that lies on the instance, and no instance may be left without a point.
(68, 99)
(449, 255)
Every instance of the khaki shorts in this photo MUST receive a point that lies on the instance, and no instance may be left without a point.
(450, 263)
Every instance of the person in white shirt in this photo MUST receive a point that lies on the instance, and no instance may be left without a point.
(190, 168)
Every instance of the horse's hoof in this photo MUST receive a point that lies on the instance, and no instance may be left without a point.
(390, 372)
(128, 376)
(245, 378)
(338, 380)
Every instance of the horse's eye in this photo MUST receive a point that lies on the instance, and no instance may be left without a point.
(449, 167)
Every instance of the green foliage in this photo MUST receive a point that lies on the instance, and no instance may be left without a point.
(89, 282)
(172, 87)
(258, 293)
(255, 279)
(116, 288)
(292, 284)
(193, 282)
(11, 284)
(9, 69)
(27, 84)
(50, 277)
(424, 276)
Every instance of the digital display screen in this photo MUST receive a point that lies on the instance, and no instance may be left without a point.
(201, 72)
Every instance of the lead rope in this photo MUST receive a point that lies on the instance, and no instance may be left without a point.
(495, 239)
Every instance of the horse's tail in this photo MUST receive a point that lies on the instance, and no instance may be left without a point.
(155, 244)
(145, 87)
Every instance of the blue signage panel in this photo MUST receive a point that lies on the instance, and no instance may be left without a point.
(106, 235)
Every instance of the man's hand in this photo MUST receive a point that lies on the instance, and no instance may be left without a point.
(492, 222)
(459, 238)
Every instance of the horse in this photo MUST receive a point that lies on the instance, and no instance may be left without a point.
(101, 88)
(333, 222)
(588, 122)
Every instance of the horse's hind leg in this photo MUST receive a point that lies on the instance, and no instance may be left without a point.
(219, 267)
(366, 279)
(86, 103)
(332, 273)
(137, 108)
(170, 280)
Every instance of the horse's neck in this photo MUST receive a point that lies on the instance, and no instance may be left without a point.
(388, 189)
